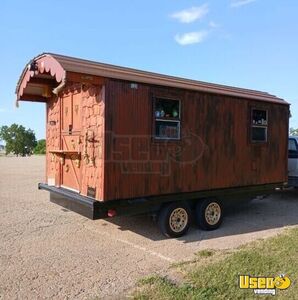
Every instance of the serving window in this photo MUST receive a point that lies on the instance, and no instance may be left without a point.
(167, 118)
(259, 125)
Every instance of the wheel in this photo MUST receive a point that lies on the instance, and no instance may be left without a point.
(209, 214)
(174, 219)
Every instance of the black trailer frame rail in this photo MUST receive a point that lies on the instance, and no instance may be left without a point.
(93, 209)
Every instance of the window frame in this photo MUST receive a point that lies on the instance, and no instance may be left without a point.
(160, 119)
(292, 155)
(266, 127)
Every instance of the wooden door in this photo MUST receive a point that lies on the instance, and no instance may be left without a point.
(70, 141)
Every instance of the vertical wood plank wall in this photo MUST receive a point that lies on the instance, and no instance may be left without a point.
(215, 150)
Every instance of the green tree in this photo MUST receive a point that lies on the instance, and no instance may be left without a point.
(19, 140)
(293, 131)
(40, 147)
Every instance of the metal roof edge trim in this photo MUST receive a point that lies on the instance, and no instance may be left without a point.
(71, 64)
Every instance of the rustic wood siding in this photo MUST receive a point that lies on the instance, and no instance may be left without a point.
(53, 139)
(215, 150)
(93, 105)
(84, 104)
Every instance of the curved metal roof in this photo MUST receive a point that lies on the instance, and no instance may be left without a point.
(58, 66)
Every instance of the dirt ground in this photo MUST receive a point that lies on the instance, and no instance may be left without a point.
(47, 252)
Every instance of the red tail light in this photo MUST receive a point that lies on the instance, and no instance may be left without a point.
(112, 213)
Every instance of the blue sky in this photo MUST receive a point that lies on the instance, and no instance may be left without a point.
(245, 43)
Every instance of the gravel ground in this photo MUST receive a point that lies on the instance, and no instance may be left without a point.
(47, 252)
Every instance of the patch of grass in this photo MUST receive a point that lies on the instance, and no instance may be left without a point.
(158, 287)
(205, 253)
(218, 279)
(201, 257)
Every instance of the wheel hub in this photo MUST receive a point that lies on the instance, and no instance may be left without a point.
(212, 213)
(178, 219)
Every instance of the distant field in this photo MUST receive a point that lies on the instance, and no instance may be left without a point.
(3, 154)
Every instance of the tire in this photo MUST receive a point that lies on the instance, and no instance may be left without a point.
(174, 219)
(209, 214)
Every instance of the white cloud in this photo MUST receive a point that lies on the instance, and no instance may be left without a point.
(191, 37)
(192, 14)
(238, 3)
(213, 24)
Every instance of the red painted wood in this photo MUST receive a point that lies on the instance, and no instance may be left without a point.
(79, 163)
(66, 112)
(93, 105)
(53, 140)
(215, 150)
(70, 167)
(45, 64)
(119, 158)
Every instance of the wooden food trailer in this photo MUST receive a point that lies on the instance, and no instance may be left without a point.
(124, 141)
